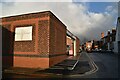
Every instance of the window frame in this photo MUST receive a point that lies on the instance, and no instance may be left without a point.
(24, 31)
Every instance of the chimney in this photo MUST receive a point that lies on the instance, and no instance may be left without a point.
(102, 34)
(113, 30)
(108, 33)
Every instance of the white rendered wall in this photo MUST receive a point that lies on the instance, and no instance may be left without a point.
(117, 37)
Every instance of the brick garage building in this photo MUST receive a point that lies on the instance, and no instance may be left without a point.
(35, 40)
(70, 46)
(73, 44)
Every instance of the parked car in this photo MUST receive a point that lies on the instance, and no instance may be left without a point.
(89, 47)
(88, 50)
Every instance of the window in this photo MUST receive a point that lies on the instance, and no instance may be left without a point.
(23, 33)
(111, 38)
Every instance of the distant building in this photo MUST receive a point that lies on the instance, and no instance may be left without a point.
(117, 38)
(104, 42)
(88, 45)
(97, 44)
(102, 34)
(107, 42)
(112, 39)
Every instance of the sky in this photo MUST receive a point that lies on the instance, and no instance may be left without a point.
(86, 20)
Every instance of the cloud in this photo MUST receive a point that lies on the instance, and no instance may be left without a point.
(60, 0)
(36, 0)
(109, 8)
(96, 0)
(81, 22)
(112, 9)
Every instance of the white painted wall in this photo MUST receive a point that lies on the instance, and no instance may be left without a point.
(75, 54)
(117, 37)
(118, 32)
(115, 47)
(108, 46)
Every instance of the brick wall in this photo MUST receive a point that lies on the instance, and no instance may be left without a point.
(57, 36)
(57, 43)
(69, 41)
(7, 47)
(39, 21)
(25, 46)
(31, 54)
(43, 37)
(77, 45)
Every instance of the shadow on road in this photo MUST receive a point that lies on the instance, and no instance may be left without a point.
(81, 68)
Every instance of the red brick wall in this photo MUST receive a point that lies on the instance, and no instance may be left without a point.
(57, 43)
(43, 37)
(39, 21)
(77, 45)
(25, 46)
(38, 45)
(57, 36)
(56, 59)
(7, 39)
(31, 62)
(7, 47)
(69, 41)
(23, 49)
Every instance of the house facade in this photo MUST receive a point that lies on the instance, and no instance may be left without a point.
(107, 42)
(117, 38)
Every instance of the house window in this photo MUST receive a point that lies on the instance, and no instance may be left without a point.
(111, 39)
(23, 33)
(104, 40)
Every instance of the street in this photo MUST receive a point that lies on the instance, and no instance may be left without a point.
(63, 40)
(107, 67)
(107, 64)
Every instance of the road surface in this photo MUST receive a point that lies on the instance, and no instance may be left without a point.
(107, 65)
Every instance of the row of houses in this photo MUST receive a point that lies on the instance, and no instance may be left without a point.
(110, 42)
(36, 40)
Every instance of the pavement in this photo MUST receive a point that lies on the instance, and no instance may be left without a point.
(79, 65)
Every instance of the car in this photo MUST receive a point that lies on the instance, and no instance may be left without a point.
(89, 50)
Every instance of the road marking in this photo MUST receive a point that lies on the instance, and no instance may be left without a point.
(73, 66)
(75, 63)
(95, 68)
(93, 64)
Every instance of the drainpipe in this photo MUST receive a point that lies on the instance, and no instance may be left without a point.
(74, 46)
